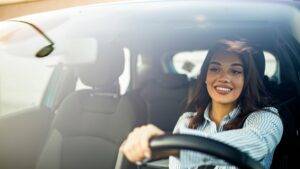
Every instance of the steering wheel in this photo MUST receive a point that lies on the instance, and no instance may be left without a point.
(200, 144)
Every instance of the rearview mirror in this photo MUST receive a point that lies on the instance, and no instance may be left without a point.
(19, 40)
(79, 51)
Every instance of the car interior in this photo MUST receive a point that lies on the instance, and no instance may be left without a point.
(78, 127)
(102, 118)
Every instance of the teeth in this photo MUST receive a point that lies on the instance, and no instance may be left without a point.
(223, 89)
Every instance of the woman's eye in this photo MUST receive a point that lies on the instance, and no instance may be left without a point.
(236, 72)
(213, 69)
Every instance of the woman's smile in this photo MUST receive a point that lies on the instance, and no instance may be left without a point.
(223, 89)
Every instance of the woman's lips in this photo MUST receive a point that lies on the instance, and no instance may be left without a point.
(223, 90)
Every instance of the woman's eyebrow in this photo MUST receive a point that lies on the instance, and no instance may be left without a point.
(214, 62)
(237, 64)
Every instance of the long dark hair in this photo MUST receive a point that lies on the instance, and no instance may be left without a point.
(253, 96)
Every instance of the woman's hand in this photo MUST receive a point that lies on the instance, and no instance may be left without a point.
(136, 146)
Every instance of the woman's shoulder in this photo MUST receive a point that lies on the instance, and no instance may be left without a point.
(187, 115)
(267, 119)
(268, 110)
(265, 114)
(183, 120)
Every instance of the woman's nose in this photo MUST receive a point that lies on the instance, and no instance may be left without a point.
(224, 77)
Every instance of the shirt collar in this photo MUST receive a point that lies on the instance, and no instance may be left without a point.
(228, 117)
(234, 113)
(206, 113)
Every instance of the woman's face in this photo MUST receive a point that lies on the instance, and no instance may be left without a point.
(225, 78)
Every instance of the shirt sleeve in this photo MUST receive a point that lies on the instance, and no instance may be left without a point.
(261, 133)
(182, 121)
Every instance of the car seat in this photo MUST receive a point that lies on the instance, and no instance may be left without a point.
(285, 100)
(165, 97)
(90, 124)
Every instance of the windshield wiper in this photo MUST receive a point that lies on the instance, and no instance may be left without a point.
(45, 51)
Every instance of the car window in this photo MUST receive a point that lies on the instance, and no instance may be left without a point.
(271, 65)
(190, 62)
(124, 79)
(22, 83)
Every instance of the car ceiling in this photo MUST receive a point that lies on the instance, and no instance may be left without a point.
(161, 26)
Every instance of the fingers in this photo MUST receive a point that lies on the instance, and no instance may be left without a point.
(136, 146)
(149, 132)
(131, 147)
(144, 144)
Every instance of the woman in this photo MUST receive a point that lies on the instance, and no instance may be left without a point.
(231, 106)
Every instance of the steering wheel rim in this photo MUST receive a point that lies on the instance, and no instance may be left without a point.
(204, 145)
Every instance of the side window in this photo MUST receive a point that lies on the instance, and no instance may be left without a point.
(124, 79)
(23, 82)
(189, 63)
(271, 65)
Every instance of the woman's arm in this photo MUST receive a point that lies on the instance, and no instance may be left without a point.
(136, 146)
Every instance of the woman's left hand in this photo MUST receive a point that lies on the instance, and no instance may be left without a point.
(136, 146)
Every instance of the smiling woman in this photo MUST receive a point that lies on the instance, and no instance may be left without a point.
(232, 79)
(224, 81)
(231, 106)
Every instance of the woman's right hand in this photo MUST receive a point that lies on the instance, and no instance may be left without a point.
(136, 146)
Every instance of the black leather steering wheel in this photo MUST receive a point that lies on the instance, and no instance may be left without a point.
(203, 145)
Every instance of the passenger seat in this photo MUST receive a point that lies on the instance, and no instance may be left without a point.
(90, 124)
(165, 98)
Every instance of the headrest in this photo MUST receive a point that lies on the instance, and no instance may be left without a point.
(172, 80)
(106, 70)
(260, 63)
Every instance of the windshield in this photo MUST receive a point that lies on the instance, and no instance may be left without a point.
(115, 67)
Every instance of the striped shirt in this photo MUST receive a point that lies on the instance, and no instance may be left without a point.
(259, 136)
